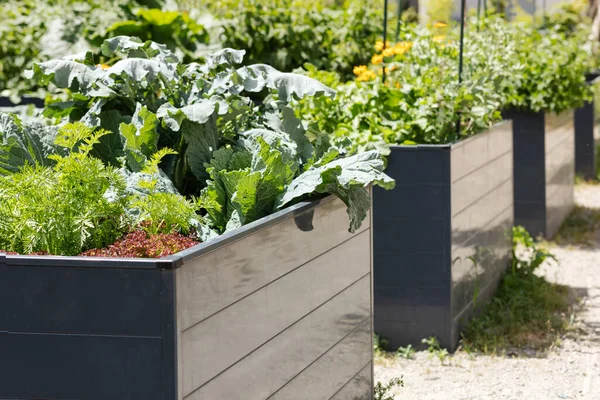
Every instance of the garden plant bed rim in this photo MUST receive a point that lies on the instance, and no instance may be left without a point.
(175, 260)
(26, 100)
(445, 146)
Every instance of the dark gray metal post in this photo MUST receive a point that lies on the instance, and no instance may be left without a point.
(585, 146)
(530, 171)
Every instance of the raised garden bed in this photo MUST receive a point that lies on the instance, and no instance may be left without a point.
(278, 309)
(441, 239)
(544, 165)
(585, 146)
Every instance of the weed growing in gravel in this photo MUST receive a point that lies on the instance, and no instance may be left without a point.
(379, 345)
(579, 227)
(383, 392)
(435, 350)
(528, 312)
(407, 352)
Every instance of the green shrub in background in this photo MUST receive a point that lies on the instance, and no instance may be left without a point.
(20, 32)
(289, 33)
(46, 29)
(439, 10)
(421, 100)
(506, 65)
(555, 67)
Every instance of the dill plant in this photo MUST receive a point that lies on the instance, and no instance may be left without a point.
(77, 204)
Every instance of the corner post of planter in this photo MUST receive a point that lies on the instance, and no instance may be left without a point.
(585, 146)
(168, 312)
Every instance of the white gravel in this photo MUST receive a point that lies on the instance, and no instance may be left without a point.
(570, 371)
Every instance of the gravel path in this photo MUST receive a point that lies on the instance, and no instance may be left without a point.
(571, 371)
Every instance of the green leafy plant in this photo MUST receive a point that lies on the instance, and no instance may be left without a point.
(435, 350)
(407, 352)
(555, 67)
(160, 212)
(77, 204)
(379, 345)
(384, 392)
(288, 33)
(235, 140)
(175, 29)
(421, 100)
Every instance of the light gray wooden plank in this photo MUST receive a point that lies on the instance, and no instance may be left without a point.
(470, 154)
(217, 279)
(561, 155)
(331, 372)
(271, 366)
(359, 388)
(556, 127)
(224, 338)
(481, 213)
(478, 183)
(482, 244)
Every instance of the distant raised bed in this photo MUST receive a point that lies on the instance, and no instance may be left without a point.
(544, 167)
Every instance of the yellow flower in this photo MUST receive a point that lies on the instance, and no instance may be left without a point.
(366, 76)
(103, 66)
(388, 52)
(358, 70)
(398, 86)
(377, 59)
(440, 25)
(379, 45)
(439, 38)
(402, 47)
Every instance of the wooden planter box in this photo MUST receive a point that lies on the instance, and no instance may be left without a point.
(544, 167)
(442, 236)
(585, 146)
(279, 309)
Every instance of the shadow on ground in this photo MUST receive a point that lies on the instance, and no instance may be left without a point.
(580, 229)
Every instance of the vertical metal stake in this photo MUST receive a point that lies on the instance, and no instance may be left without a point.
(460, 58)
(399, 16)
(385, 19)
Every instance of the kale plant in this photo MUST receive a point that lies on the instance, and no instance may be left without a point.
(234, 140)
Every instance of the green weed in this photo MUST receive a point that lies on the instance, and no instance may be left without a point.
(407, 352)
(527, 311)
(435, 350)
(579, 227)
(383, 392)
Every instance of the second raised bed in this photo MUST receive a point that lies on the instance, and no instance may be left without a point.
(441, 237)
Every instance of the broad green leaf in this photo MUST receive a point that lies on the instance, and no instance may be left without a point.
(110, 147)
(24, 144)
(140, 137)
(65, 74)
(256, 77)
(202, 140)
(344, 178)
